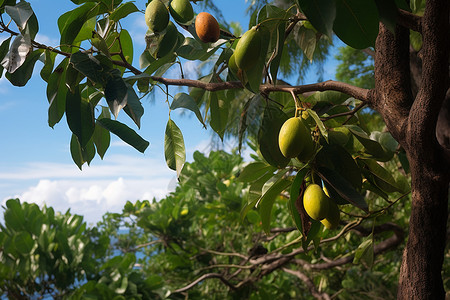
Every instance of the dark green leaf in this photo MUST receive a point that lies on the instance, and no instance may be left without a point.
(387, 9)
(183, 100)
(342, 187)
(271, 124)
(372, 147)
(71, 23)
(356, 22)
(13, 215)
(306, 40)
(267, 200)
(80, 116)
(293, 198)
(90, 67)
(4, 47)
(255, 193)
(56, 93)
(278, 51)
(102, 137)
(122, 11)
(24, 243)
(21, 76)
(116, 92)
(253, 171)
(125, 133)
(219, 107)
(319, 123)
(48, 65)
(364, 253)
(134, 108)
(81, 155)
(174, 150)
(320, 13)
(383, 178)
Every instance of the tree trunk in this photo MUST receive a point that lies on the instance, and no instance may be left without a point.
(420, 273)
(411, 118)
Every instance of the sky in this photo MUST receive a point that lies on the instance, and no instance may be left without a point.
(35, 161)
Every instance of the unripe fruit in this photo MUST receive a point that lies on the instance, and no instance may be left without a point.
(248, 49)
(315, 202)
(207, 28)
(156, 16)
(291, 138)
(332, 219)
(168, 42)
(181, 11)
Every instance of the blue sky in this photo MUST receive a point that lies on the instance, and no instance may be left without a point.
(35, 161)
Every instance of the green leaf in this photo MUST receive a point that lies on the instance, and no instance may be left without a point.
(125, 133)
(268, 199)
(22, 74)
(49, 63)
(116, 92)
(372, 147)
(383, 178)
(183, 100)
(71, 23)
(80, 116)
(4, 47)
(319, 123)
(334, 182)
(306, 40)
(293, 197)
(364, 253)
(174, 149)
(56, 93)
(102, 137)
(219, 107)
(79, 154)
(20, 13)
(24, 242)
(275, 64)
(320, 13)
(356, 22)
(268, 133)
(332, 97)
(134, 107)
(90, 67)
(13, 215)
(122, 11)
(387, 9)
(253, 171)
(254, 194)
(338, 159)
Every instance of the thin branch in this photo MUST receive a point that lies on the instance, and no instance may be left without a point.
(224, 253)
(309, 283)
(347, 113)
(203, 277)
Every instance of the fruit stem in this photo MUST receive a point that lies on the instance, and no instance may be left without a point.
(297, 104)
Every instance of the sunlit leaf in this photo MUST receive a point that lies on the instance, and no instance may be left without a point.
(183, 100)
(174, 149)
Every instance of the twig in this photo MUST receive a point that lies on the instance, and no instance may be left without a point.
(309, 283)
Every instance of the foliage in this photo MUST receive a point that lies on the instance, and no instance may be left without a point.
(354, 158)
(46, 253)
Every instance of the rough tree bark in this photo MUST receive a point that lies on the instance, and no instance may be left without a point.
(412, 121)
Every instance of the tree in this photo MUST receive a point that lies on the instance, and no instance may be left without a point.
(410, 89)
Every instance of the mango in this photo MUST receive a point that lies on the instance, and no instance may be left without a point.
(156, 16)
(248, 49)
(181, 11)
(207, 28)
(315, 202)
(292, 137)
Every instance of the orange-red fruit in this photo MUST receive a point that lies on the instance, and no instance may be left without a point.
(207, 28)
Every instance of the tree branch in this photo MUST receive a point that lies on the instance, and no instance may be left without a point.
(409, 20)
(309, 283)
(203, 277)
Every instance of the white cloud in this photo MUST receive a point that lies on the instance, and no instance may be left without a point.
(92, 192)
(93, 199)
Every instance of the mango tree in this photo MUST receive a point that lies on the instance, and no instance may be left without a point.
(95, 77)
